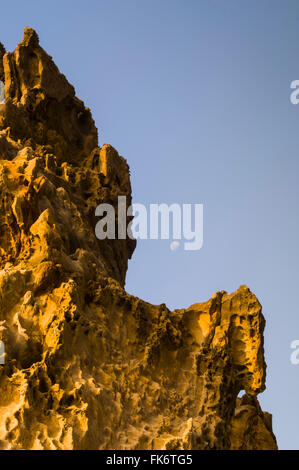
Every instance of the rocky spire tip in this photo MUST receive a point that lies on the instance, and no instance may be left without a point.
(30, 37)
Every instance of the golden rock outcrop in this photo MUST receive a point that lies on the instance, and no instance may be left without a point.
(88, 366)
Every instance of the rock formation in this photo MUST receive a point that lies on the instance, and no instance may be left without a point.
(88, 366)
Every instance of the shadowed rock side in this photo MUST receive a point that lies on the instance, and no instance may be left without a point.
(88, 366)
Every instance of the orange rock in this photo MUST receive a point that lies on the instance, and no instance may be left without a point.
(88, 366)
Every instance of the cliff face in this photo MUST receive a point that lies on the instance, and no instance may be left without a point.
(88, 366)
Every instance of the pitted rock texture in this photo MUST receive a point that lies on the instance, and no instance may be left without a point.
(88, 366)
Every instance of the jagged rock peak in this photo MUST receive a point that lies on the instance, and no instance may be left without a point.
(30, 38)
(41, 106)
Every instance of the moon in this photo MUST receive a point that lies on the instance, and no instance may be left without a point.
(174, 245)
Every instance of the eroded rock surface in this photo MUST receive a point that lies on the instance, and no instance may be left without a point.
(88, 366)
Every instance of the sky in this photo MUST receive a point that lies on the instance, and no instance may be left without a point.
(196, 96)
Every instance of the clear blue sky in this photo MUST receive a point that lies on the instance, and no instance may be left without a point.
(195, 94)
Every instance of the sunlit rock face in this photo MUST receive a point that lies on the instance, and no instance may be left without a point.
(88, 366)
